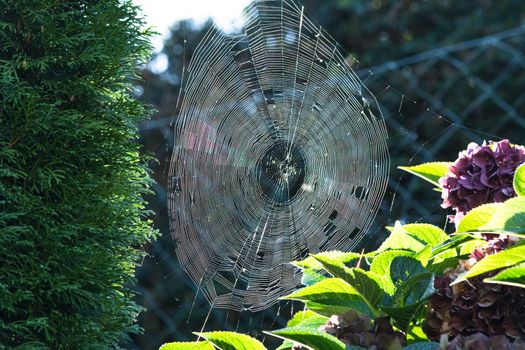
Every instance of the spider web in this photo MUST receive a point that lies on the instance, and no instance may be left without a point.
(280, 151)
(433, 104)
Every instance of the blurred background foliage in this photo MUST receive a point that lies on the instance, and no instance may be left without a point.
(444, 72)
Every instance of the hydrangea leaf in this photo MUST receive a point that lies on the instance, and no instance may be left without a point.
(311, 262)
(367, 283)
(381, 266)
(402, 315)
(310, 337)
(467, 247)
(454, 243)
(418, 238)
(306, 318)
(478, 217)
(308, 263)
(331, 296)
(399, 239)
(286, 344)
(415, 334)
(509, 217)
(414, 284)
(196, 345)
(313, 270)
(311, 276)
(458, 248)
(430, 172)
(414, 290)
(505, 258)
(519, 180)
(423, 256)
(443, 261)
(402, 268)
(513, 276)
(232, 341)
(427, 233)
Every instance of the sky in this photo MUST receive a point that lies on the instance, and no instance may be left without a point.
(161, 14)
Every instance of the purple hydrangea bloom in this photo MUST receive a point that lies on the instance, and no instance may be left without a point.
(481, 174)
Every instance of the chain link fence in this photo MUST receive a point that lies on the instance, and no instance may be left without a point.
(438, 101)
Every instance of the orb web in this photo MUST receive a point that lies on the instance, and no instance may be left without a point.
(280, 151)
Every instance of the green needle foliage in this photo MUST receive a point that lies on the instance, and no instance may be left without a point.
(72, 218)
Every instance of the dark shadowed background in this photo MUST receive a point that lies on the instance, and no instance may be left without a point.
(444, 72)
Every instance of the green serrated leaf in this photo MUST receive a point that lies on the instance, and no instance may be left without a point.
(403, 315)
(427, 233)
(381, 266)
(399, 239)
(308, 263)
(287, 344)
(454, 242)
(331, 296)
(430, 172)
(417, 288)
(349, 259)
(513, 276)
(232, 341)
(312, 263)
(402, 268)
(506, 258)
(310, 337)
(412, 284)
(519, 181)
(311, 276)
(440, 262)
(367, 283)
(307, 318)
(477, 217)
(423, 256)
(467, 247)
(449, 258)
(196, 345)
(509, 217)
(415, 334)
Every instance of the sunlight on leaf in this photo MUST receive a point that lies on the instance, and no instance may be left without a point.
(367, 283)
(430, 172)
(455, 242)
(509, 217)
(232, 341)
(427, 233)
(310, 337)
(304, 318)
(519, 180)
(196, 345)
(399, 239)
(505, 258)
(331, 296)
(477, 217)
(381, 265)
(513, 276)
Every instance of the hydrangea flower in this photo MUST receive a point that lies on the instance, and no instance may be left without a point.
(481, 174)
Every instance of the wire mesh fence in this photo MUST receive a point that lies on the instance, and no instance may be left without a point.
(434, 103)
(438, 101)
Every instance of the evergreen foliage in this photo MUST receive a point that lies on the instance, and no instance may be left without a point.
(72, 218)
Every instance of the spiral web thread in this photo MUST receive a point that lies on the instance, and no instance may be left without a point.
(280, 151)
